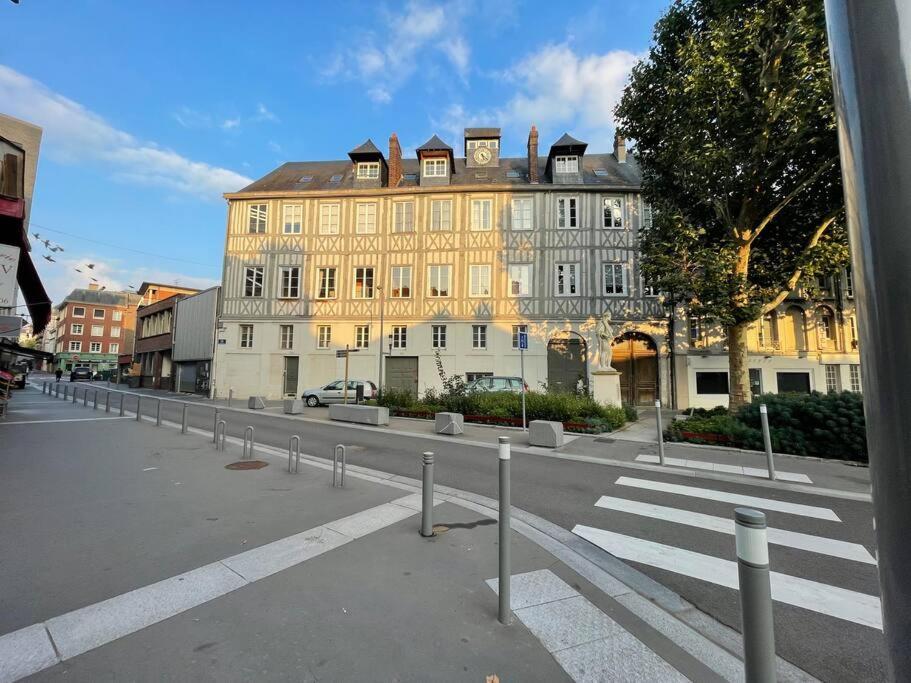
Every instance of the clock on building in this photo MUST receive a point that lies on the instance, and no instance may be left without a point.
(482, 155)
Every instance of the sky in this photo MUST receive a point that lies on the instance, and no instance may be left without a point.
(151, 111)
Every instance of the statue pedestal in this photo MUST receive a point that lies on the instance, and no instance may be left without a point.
(606, 387)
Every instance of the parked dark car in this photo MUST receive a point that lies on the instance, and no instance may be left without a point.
(81, 374)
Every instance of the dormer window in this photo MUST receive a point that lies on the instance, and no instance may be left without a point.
(566, 164)
(435, 168)
(368, 170)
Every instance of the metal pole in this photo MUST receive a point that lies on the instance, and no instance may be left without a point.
(223, 426)
(95, 400)
(230, 395)
(505, 614)
(345, 390)
(123, 397)
(870, 57)
(660, 431)
(158, 414)
(294, 440)
(138, 408)
(215, 428)
(755, 596)
(85, 398)
(248, 430)
(522, 367)
(183, 419)
(767, 440)
(380, 345)
(75, 387)
(107, 401)
(427, 498)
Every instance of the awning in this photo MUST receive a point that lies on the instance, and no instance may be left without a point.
(10, 346)
(36, 298)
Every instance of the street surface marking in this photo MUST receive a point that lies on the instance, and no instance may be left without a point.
(74, 419)
(840, 603)
(727, 497)
(727, 469)
(149, 469)
(791, 539)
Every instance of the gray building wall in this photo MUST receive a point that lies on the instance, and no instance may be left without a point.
(194, 326)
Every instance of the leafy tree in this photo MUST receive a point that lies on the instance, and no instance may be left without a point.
(734, 128)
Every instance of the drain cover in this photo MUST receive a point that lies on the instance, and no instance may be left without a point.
(246, 465)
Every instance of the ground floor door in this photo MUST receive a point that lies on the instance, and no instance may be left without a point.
(402, 374)
(290, 374)
(186, 377)
(636, 358)
(566, 363)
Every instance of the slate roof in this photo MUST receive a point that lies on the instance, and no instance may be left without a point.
(482, 132)
(102, 298)
(434, 144)
(569, 143)
(365, 150)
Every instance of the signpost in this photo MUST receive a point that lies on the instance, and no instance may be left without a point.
(343, 353)
(523, 345)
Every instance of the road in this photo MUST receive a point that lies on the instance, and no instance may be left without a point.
(673, 528)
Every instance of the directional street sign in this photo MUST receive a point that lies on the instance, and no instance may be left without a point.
(523, 341)
(343, 353)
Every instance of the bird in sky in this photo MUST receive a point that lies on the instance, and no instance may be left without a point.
(37, 236)
(49, 258)
(93, 279)
(90, 266)
(56, 248)
(77, 270)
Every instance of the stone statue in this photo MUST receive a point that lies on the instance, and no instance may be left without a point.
(605, 338)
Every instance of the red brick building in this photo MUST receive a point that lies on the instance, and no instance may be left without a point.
(155, 333)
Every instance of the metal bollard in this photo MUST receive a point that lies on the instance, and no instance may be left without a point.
(85, 398)
(44, 387)
(505, 614)
(122, 399)
(230, 396)
(427, 499)
(158, 414)
(138, 408)
(755, 595)
(344, 452)
(224, 429)
(767, 440)
(57, 390)
(660, 432)
(107, 401)
(66, 390)
(215, 428)
(74, 394)
(248, 430)
(95, 400)
(183, 419)
(294, 441)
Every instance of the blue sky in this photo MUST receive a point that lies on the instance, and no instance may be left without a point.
(152, 110)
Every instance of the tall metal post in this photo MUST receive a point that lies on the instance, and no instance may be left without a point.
(870, 53)
(755, 596)
(427, 497)
(660, 431)
(505, 614)
(107, 401)
(158, 414)
(95, 400)
(767, 440)
(215, 428)
(183, 419)
(522, 370)
(122, 406)
(138, 408)
(230, 396)
(379, 382)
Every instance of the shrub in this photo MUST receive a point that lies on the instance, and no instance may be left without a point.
(630, 412)
(396, 398)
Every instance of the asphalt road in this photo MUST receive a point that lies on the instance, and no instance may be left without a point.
(565, 492)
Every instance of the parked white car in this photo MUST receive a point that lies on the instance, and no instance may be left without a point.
(334, 392)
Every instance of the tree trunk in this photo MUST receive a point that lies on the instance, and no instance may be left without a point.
(739, 388)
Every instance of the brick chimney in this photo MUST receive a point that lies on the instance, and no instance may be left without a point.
(619, 148)
(395, 161)
(533, 155)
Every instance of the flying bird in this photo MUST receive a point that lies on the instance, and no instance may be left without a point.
(90, 266)
(47, 243)
(50, 259)
(102, 288)
(93, 279)
(57, 248)
(77, 270)
(37, 236)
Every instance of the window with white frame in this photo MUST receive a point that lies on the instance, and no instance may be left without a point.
(117, 316)
(399, 337)
(325, 283)
(854, 377)
(614, 279)
(516, 330)
(567, 282)
(567, 212)
(78, 312)
(521, 213)
(849, 283)
(95, 347)
(115, 332)
(613, 213)
(97, 330)
(246, 336)
(292, 219)
(289, 282)
(361, 336)
(853, 324)
(253, 281)
(520, 279)
(826, 326)
(403, 217)
(481, 212)
(831, 378)
(438, 280)
(113, 348)
(441, 215)
(328, 219)
(98, 314)
(479, 336)
(566, 164)
(363, 282)
(435, 168)
(647, 216)
(401, 282)
(366, 218)
(479, 280)
(438, 336)
(323, 336)
(76, 328)
(256, 222)
(75, 346)
(286, 337)
(368, 170)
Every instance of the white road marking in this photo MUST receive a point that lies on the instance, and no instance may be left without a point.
(75, 419)
(840, 603)
(149, 469)
(727, 469)
(727, 497)
(791, 539)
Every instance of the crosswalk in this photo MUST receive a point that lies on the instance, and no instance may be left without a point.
(758, 472)
(799, 591)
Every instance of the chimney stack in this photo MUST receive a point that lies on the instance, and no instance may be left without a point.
(619, 148)
(395, 161)
(533, 156)
(94, 286)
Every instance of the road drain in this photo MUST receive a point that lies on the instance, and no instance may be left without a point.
(246, 465)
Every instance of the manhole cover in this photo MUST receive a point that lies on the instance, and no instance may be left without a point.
(246, 465)
(439, 528)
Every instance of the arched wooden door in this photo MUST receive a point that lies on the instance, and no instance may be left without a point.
(566, 363)
(636, 358)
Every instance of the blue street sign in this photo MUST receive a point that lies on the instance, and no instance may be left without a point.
(523, 341)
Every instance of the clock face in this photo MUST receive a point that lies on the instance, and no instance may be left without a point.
(482, 155)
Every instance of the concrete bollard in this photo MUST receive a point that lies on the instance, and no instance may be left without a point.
(504, 456)
(183, 419)
(427, 497)
(755, 595)
(767, 440)
(660, 431)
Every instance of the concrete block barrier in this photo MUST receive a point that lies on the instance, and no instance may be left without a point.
(545, 433)
(256, 403)
(368, 415)
(449, 423)
(293, 406)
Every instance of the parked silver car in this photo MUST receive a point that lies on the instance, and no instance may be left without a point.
(497, 383)
(334, 392)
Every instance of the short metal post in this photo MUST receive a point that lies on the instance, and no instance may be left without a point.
(230, 396)
(95, 400)
(44, 387)
(223, 426)
(505, 614)
(215, 428)
(107, 401)
(138, 408)
(158, 414)
(427, 499)
(248, 430)
(767, 439)
(66, 391)
(660, 432)
(57, 390)
(75, 387)
(183, 419)
(340, 449)
(755, 596)
(123, 397)
(85, 398)
(294, 441)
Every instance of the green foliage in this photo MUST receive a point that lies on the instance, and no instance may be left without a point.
(630, 412)
(705, 412)
(396, 398)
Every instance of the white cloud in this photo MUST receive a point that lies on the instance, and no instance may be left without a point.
(74, 134)
(459, 54)
(263, 114)
(229, 124)
(190, 118)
